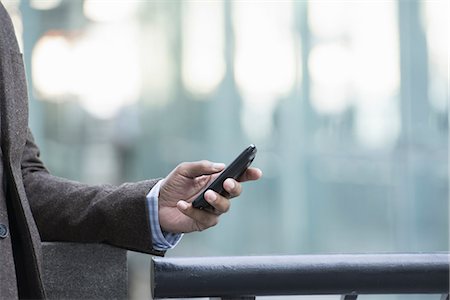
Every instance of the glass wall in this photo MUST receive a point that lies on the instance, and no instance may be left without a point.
(347, 102)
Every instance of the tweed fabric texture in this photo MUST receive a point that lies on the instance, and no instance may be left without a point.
(84, 271)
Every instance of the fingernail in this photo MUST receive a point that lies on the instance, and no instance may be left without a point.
(183, 205)
(218, 166)
(211, 196)
(231, 183)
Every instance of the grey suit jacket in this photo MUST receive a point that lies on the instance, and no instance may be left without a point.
(41, 207)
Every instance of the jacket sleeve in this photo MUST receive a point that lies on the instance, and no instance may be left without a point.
(66, 210)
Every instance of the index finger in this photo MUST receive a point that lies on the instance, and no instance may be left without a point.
(199, 168)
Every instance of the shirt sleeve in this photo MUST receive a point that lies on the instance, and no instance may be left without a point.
(161, 240)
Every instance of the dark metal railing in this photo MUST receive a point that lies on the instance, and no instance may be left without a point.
(348, 275)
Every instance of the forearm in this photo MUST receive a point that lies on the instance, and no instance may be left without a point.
(69, 211)
(66, 210)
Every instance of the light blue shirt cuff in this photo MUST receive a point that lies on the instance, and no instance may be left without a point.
(161, 240)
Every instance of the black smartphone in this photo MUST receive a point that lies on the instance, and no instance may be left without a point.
(234, 170)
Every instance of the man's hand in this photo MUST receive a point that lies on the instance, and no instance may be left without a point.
(184, 184)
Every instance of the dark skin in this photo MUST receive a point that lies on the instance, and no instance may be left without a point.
(184, 184)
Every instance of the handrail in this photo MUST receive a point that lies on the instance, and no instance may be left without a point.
(341, 274)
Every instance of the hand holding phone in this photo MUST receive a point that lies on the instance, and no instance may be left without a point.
(234, 170)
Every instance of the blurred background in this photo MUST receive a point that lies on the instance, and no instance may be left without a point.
(347, 102)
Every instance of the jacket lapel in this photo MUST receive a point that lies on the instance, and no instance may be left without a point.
(14, 126)
(13, 93)
(14, 116)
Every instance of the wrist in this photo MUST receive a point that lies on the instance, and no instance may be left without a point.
(161, 239)
(161, 193)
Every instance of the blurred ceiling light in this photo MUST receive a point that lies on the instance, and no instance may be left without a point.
(362, 59)
(45, 4)
(328, 19)
(110, 10)
(356, 62)
(50, 66)
(375, 49)
(436, 23)
(329, 66)
(158, 69)
(376, 73)
(203, 63)
(101, 69)
(265, 60)
(106, 66)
